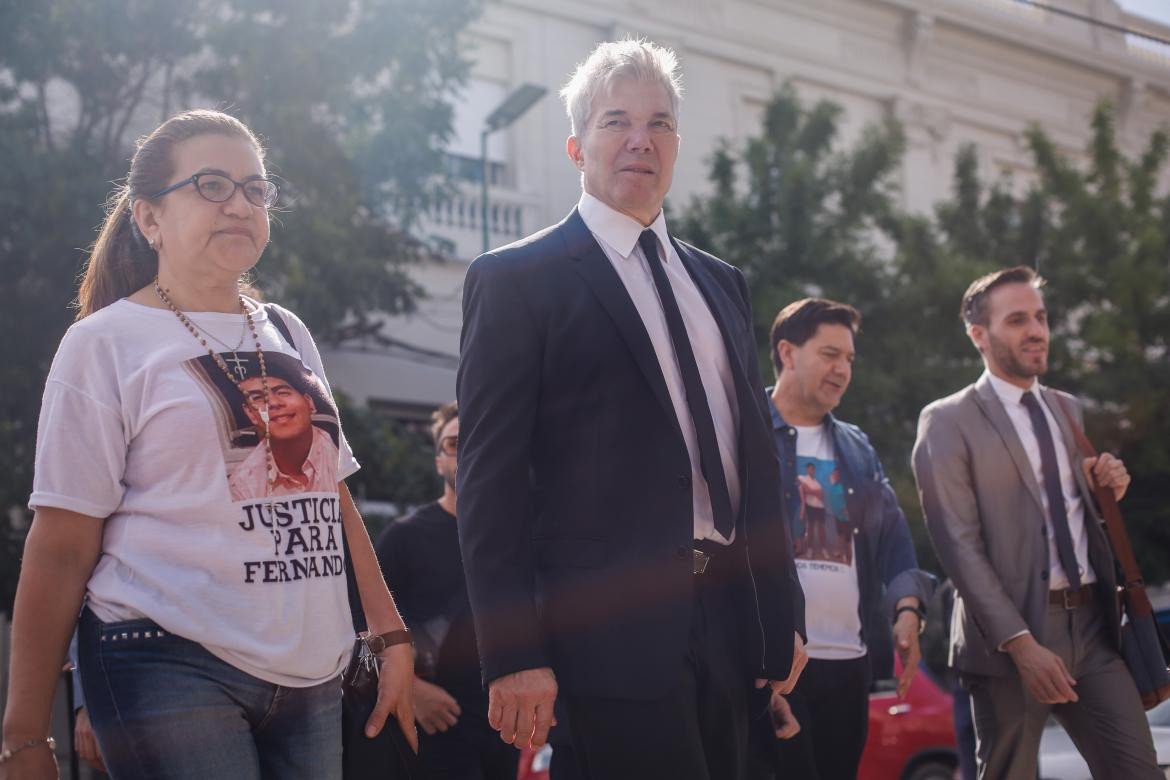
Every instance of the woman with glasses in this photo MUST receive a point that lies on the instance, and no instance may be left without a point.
(216, 620)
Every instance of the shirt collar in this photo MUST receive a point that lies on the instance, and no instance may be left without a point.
(618, 230)
(309, 467)
(1008, 393)
(778, 422)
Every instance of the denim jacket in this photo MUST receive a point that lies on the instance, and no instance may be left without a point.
(887, 568)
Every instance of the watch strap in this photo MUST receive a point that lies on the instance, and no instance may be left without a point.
(379, 642)
(919, 611)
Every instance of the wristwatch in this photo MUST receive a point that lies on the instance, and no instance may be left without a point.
(379, 642)
(919, 611)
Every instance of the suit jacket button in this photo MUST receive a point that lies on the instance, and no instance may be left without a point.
(684, 481)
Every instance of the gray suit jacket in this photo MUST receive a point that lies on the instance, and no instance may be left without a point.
(986, 520)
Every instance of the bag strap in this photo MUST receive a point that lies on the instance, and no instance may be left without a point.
(281, 325)
(356, 613)
(1135, 588)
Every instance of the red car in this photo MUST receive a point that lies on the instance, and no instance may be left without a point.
(909, 739)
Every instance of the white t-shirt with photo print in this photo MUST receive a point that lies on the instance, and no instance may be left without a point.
(824, 551)
(129, 433)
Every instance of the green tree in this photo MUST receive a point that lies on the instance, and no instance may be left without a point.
(793, 212)
(1097, 230)
(397, 459)
(803, 216)
(351, 99)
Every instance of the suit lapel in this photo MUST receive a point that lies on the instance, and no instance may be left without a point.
(590, 262)
(992, 407)
(722, 309)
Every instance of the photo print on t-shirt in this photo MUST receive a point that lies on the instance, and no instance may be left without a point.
(302, 418)
(820, 520)
(300, 510)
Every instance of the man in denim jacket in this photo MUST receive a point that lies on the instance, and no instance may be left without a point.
(853, 553)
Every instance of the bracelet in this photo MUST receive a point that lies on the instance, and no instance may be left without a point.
(7, 754)
(379, 642)
(919, 611)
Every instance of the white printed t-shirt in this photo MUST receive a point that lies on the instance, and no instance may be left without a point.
(140, 427)
(823, 538)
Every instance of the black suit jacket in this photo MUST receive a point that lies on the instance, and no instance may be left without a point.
(575, 511)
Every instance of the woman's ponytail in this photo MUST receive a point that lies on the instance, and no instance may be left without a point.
(121, 261)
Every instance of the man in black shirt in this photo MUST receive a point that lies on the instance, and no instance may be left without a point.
(420, 559)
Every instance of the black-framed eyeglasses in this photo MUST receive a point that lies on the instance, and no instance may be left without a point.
(218, 188)
(449, 445)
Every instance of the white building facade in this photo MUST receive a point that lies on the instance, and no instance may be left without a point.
(952, 71)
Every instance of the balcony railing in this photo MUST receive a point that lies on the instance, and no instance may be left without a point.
(459, 219)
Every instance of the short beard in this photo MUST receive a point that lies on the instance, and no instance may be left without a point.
(1008, 363)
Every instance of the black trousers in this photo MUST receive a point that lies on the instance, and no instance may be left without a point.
(698, 730)
(563, 765)
(831, 703)
(469, 750)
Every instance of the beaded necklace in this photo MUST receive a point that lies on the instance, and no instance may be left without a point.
(262, 413)
(234, 350)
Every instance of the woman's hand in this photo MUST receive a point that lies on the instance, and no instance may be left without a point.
(396, 679)
(60, 551)
(395, 693)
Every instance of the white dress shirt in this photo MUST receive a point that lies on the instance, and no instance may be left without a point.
(618, 236)
(1011, 396)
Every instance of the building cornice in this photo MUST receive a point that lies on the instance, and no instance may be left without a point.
(985, 19)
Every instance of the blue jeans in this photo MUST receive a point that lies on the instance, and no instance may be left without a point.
(164, 707)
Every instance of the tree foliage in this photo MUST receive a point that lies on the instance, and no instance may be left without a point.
(794, 213)
(802, 214)
(398, 462)
(351, 99)
(1097, 229)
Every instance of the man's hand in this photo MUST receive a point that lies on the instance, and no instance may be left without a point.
(799, 659)
(784, 722)
(1043, 672)
(520, 706)
(906, 630)
(1108, 472)
(395, 693)
(434, 708)
(84, 741)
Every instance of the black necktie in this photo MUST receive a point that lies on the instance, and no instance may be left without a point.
(709, 459)
(1056, 510)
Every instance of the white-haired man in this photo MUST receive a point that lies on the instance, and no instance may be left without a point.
(619, 519)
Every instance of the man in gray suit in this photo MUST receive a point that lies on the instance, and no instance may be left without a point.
(1010, 512)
